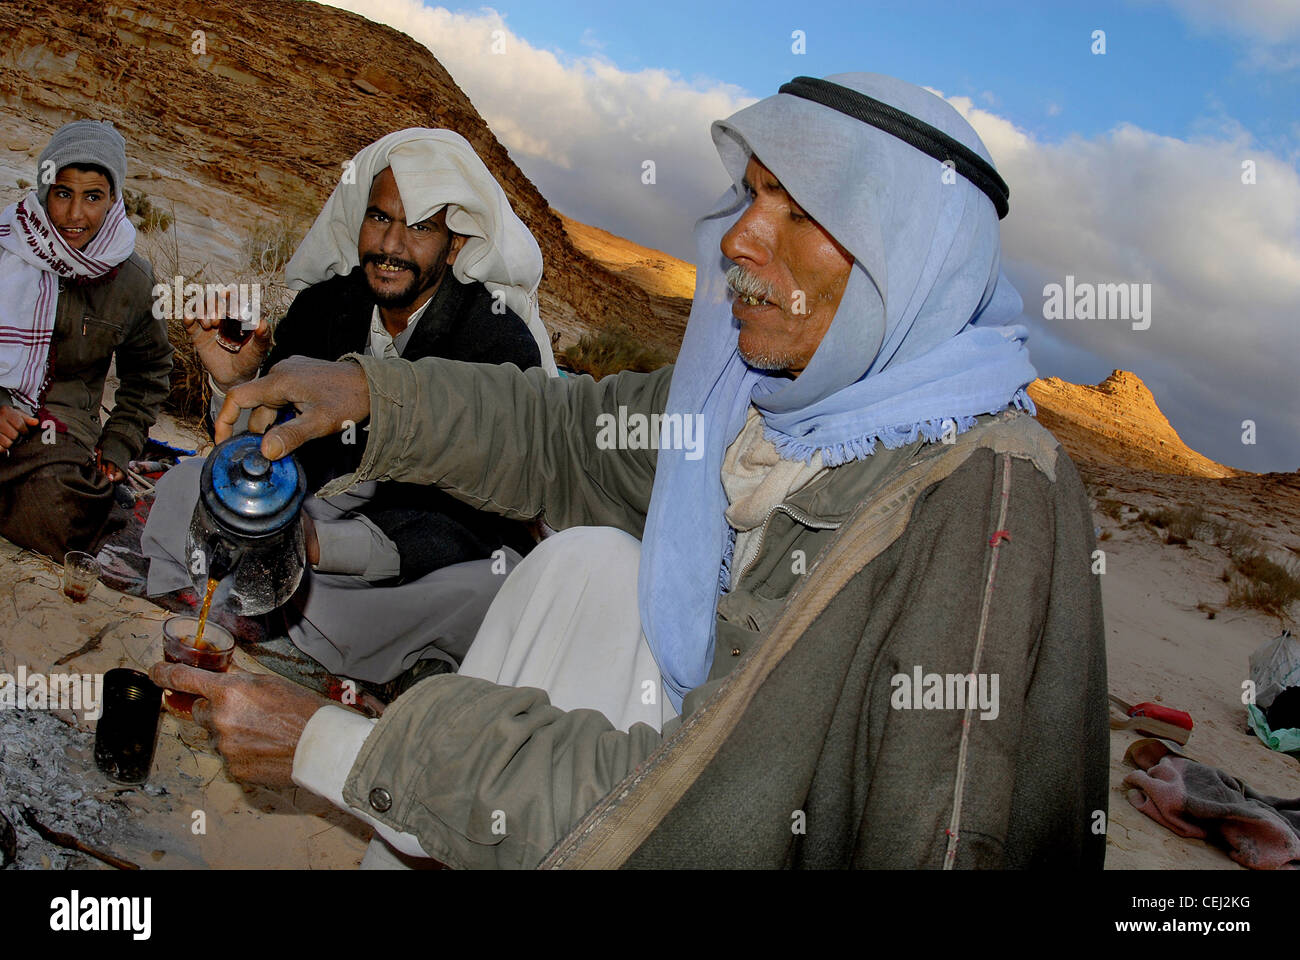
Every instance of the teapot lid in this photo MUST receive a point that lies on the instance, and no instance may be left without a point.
(247, 492)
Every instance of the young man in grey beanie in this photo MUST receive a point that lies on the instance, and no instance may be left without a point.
(73, 294)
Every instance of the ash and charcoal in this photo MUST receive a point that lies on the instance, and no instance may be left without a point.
(46, 767)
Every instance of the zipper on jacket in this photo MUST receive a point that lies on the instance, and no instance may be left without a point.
(790, 511)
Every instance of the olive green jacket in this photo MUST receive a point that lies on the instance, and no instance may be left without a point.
(92, 322)
(824, 769)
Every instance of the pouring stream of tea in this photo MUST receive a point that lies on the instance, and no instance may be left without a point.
(203, 613)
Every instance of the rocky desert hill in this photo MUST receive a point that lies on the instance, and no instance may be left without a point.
(654, 270)
(1118, 423)
(251, 127)
(1127, 451)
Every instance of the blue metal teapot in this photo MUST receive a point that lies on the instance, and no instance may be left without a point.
(247, 527)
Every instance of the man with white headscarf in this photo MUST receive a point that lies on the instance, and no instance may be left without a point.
(867, 616)
(416, 253)
(73, 295)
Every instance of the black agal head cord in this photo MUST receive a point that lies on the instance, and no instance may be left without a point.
(929, 140)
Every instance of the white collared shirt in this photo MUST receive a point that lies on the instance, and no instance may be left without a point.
(386, 347)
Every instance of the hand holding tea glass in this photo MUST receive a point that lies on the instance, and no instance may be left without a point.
(229, 349)
(181, 644)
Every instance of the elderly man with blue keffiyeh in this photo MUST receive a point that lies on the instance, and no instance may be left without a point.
(855, 625)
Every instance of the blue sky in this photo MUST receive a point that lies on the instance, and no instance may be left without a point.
(1162, 70)
(1125, 167)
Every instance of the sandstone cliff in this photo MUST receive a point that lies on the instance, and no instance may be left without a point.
(1118, 423)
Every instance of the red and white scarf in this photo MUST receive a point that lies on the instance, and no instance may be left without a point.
(33, 256)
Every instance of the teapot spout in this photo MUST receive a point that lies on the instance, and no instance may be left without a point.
(222, 558)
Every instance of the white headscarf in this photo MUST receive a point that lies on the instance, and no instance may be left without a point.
(433, 169)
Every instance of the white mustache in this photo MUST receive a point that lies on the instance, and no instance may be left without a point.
(745, 284)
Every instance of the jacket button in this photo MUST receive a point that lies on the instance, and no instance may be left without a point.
(735, 651)
(381, 799)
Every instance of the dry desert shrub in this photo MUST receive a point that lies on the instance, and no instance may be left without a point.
(610, 350)
(1110, 507)
(1263, 584)
(268, 247)
(1236, 539)
(266, 250)
(1180, 525)
(265, 254)
(189, 395)
(144, 214)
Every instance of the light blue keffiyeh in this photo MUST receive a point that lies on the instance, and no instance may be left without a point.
(917, 339)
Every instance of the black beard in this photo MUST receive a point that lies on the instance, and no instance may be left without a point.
(401, 298)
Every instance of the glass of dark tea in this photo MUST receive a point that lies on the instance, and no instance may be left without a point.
(234, 332)
(80, 574)
(182, 643)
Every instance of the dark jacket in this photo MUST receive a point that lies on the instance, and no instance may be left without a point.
(92, 323)
(431, 529)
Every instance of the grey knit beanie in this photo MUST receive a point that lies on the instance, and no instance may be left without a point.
(82, 141)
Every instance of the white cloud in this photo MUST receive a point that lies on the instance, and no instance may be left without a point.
(581, 128)
(1272, 59)
(1223, 259)
(1270, 28)
(1269, 21)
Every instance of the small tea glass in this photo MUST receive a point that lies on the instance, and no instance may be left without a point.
(214, 653)
(80, 574)
(233, 333)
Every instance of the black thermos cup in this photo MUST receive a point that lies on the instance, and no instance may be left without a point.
(128, 727)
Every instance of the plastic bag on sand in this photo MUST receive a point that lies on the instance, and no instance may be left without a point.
(1274, 666)
(1284, 741)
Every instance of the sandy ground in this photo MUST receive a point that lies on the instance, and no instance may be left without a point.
(1160, 647)
(244, 826)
